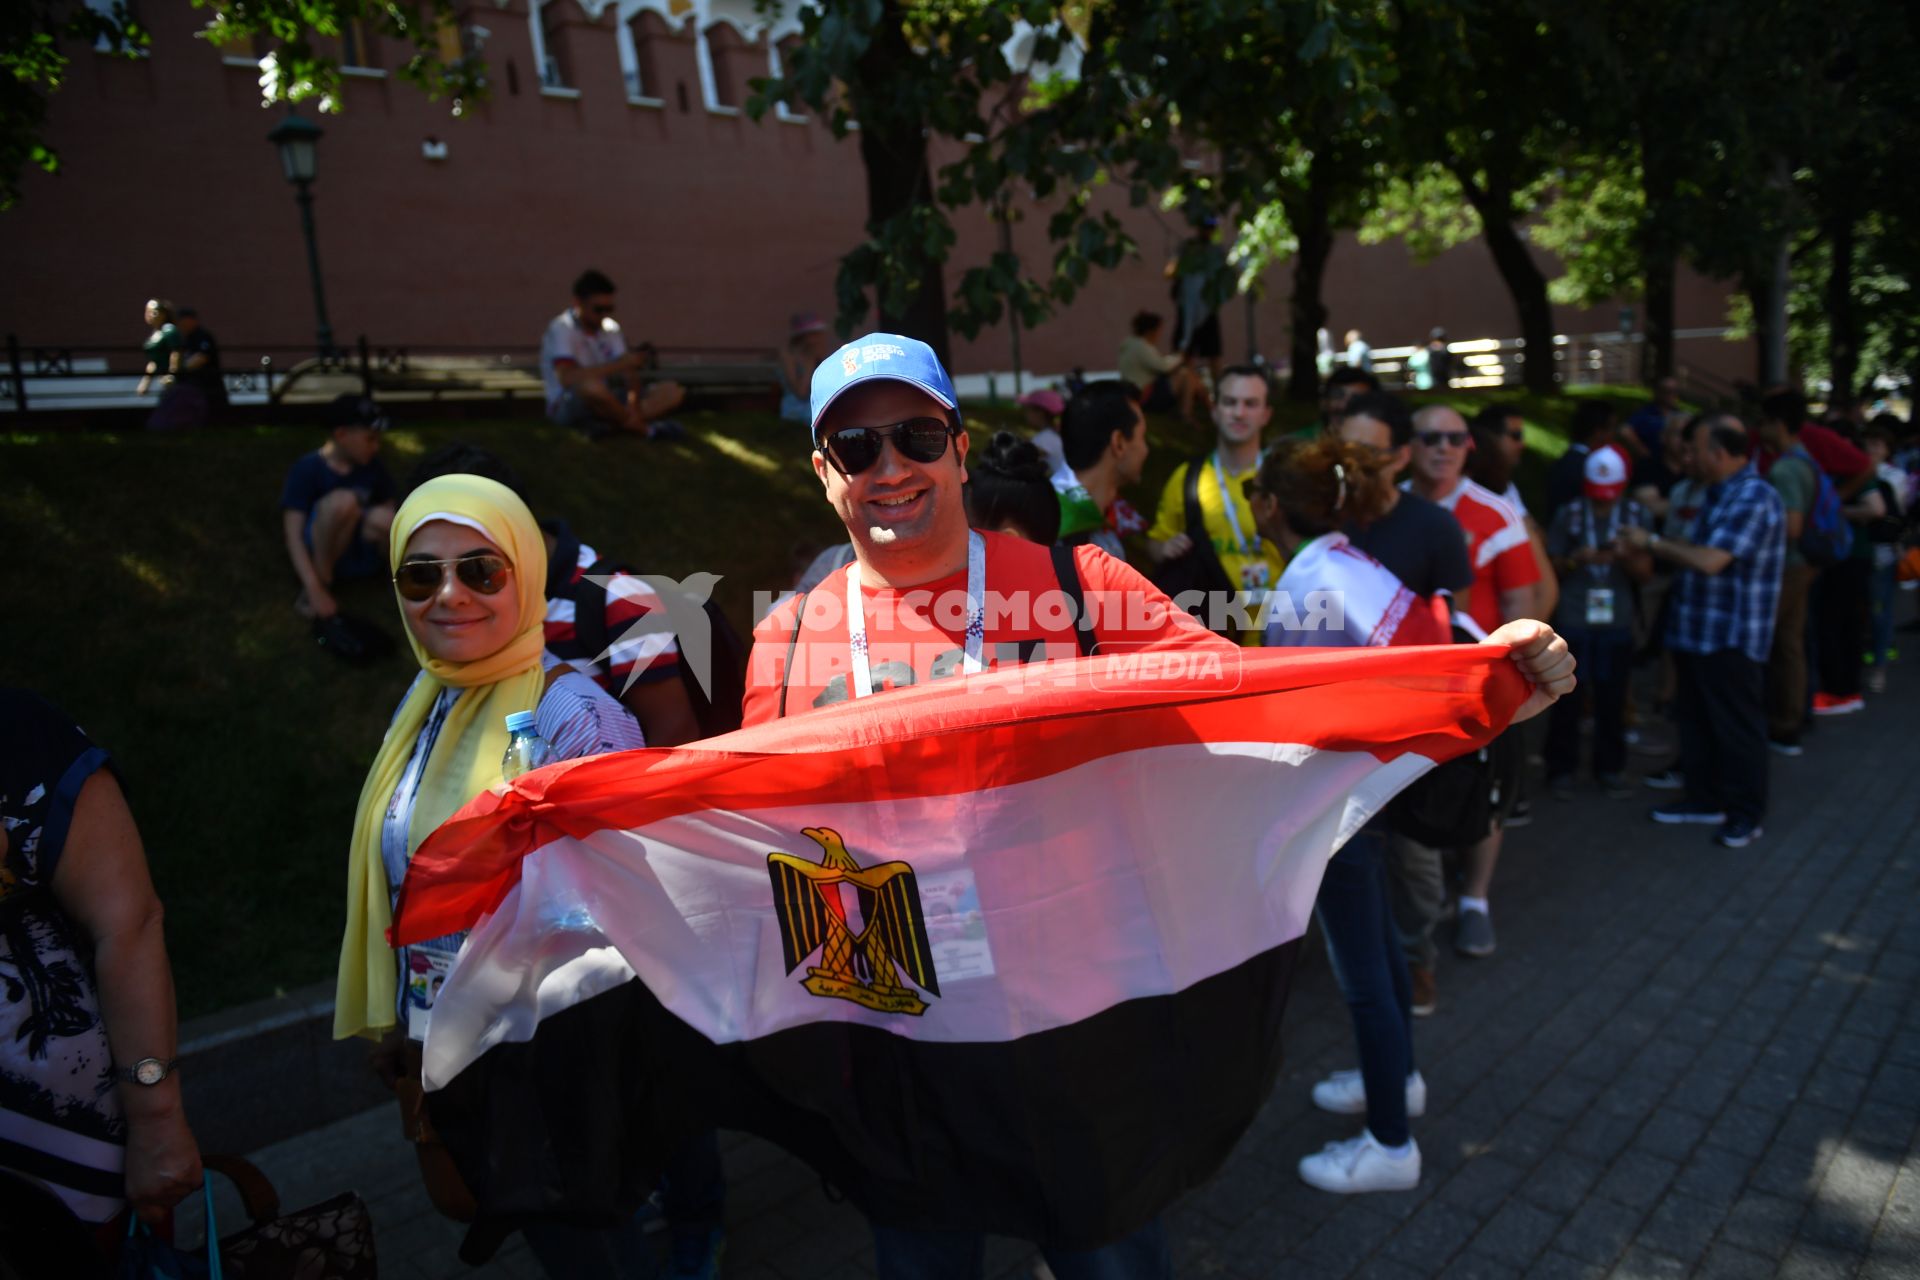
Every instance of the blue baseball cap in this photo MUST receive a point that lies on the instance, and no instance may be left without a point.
(880, 355)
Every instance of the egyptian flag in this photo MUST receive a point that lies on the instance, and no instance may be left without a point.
(1004, 953)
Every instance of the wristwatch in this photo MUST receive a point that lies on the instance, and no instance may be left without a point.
(147, 1071)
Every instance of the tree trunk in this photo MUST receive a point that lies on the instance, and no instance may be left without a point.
(1312, 219)
(893, 149)
(1770, 324)
(1843, 337)
(1524, 282)
(1760, 300)
(1659, 259)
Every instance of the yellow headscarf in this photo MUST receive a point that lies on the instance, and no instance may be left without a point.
(466, 755)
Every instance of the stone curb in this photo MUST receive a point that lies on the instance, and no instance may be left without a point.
(260, 1072)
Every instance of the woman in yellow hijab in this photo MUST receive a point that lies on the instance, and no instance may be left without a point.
(469, 573)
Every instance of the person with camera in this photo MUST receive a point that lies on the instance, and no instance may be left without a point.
(592, 380)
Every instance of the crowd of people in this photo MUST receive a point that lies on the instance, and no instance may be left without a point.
(1737, 581)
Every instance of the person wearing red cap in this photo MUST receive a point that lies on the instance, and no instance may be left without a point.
(1596, 614)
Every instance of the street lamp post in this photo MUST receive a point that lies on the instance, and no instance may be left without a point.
(296, 137)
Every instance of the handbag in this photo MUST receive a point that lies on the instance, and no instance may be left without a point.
(397, 1062)
(331, 1240)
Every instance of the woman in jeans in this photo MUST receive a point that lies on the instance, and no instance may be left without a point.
(1301, 497)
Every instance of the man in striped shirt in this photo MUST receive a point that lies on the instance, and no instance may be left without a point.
(637, 664)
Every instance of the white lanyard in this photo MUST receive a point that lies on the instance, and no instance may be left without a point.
(1600, 571)
(1226, 502)
(976, 617)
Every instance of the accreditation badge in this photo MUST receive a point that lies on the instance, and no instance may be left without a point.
(426, 974)
(1600, 607)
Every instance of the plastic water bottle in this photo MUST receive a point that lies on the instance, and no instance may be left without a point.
(526, 749)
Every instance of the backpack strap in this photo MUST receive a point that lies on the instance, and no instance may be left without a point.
(1067, 572)
(1190, 503)
(793, 643)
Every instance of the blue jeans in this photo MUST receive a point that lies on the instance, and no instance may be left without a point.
(1884, 584)
(1357, 916)
(693, 1194)
(961, 1255)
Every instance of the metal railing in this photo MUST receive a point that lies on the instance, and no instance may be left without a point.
(1579, 359)
(49, 378)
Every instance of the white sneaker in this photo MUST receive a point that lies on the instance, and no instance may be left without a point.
(1345, 1094)
(1361, 1164)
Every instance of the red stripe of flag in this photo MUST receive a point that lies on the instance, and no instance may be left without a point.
(963, 735)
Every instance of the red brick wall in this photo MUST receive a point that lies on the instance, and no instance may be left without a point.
(715, 227)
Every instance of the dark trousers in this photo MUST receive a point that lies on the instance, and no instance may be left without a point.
(1722, 712)
(1786, 674)
(1357, 917)
(1605, 662)
(1842, 602)
(961, 1255)
(693, 1195)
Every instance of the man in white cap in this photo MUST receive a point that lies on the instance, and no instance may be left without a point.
(1596, 615)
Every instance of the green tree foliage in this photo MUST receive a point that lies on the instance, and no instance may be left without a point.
(32, 65)
(300, 35)
(1885, 310)
(1625, 137)
(913, 75)
(1279, 103)
(1488, 114)
(298, 65)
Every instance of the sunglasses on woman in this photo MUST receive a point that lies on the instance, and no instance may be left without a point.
(418, 581)
(852, 450)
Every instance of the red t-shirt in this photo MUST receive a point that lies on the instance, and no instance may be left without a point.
(918, 635)
(1832, 451)
(1497, 547)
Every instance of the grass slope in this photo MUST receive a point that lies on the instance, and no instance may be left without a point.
(148, 594)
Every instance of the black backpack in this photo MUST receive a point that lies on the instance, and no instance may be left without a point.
(1200, 568)
(717, 707)
(1450, 805)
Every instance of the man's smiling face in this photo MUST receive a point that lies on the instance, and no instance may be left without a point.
(897, 508)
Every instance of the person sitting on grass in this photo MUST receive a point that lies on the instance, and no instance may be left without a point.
(337, 505)
(807, 345)
(592, 381)
(1165, 381)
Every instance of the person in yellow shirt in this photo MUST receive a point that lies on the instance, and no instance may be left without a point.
(1250, 562)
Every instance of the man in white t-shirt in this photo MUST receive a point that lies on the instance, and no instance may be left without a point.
(590, 376)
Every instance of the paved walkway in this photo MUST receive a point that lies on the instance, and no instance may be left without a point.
(1682, 1061)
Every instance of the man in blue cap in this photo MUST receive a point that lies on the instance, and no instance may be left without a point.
(891, 455)
(927, 598)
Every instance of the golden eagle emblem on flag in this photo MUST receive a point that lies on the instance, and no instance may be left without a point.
(865, 922)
